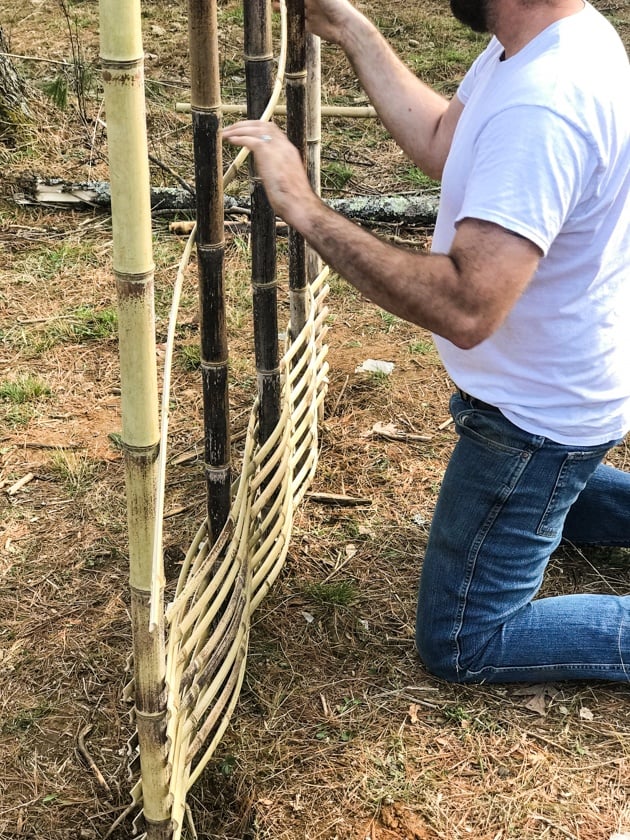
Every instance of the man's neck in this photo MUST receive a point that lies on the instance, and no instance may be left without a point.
(516, 24)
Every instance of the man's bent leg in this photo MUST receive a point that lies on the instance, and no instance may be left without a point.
(500, 514)
(601, 514)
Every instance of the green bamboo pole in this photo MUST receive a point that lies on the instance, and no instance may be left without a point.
(206, 120)
(296, 131)
(123, 80)
(259, 81)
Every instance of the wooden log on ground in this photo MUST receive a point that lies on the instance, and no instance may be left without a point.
(410, 209)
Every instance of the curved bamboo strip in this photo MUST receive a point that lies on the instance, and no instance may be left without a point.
(205, 663)
(226, 575)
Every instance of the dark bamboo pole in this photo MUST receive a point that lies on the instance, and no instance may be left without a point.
(206, 120)
(313, 134)
(296, 131)
(259, 80)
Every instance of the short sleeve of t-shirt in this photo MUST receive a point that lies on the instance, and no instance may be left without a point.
(529, 171)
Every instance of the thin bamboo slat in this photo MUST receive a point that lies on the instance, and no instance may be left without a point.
(123, 80)
(349, 111)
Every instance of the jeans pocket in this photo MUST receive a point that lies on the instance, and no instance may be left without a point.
(575, 470)
(492, 430)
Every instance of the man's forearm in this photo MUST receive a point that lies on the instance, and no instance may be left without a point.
(420, 288)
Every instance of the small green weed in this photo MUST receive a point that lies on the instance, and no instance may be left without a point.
(81, 325)
(421, 348)
(18, 415)
(419, 180)
(380, 378)
(23, 721)
(335, 593)
(190, 357)
(336, 175)
(75, 471)
(24, 389)
(390, 321)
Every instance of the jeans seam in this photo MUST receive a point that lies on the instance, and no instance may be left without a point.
(558, 666)
(476, 547)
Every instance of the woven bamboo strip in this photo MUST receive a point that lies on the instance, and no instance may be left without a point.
(207, 679)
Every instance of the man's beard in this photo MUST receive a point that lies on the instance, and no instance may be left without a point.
(472, 13)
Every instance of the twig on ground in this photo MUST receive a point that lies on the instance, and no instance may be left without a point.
(87, 758)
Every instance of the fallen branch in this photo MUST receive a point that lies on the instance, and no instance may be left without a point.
(22, 482)
(338, 499)
(411, 209)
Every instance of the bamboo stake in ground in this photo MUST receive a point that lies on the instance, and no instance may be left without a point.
(206, 119)
(258, 74)
(296, 131)
(123, 79)
(313, 134)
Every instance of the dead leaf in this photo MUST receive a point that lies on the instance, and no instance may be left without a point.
(538, 695)
(586, 714)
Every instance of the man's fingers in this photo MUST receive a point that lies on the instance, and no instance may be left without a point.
(248, 132)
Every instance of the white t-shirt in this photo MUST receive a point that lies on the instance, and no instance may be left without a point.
(542, 148)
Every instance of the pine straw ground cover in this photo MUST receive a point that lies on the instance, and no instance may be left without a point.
(340, 733)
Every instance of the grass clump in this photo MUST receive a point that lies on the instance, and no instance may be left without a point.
(75, 471)
(336, 175)
(333, 594)
(25, 389)
(190, 357)
(84, 324)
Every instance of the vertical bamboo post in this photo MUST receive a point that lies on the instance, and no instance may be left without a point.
(123, 80)
(206, 121)
(313, 134)
(296, 131)
(259, 81)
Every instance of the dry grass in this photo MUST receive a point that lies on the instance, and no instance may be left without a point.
(339, 733)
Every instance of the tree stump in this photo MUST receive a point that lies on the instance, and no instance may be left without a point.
(14, 111)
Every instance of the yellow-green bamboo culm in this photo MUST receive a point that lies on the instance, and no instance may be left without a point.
(123, 80)
(206, 121)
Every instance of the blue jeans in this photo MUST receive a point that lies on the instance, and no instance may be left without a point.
(507, 500)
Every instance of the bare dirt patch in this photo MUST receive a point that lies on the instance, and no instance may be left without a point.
(340, 733)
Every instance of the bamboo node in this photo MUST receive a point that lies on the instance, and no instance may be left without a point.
(209, 247)
(259, 58)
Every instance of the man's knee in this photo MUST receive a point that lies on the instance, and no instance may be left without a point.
(441, 658)
(437, 655)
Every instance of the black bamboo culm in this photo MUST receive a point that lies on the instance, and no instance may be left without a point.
(296, 131)
(206, 120)
(259, 80)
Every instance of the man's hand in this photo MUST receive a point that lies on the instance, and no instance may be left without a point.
(279, 165)
(330, 19)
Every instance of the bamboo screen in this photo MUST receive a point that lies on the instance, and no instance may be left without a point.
(190, 658)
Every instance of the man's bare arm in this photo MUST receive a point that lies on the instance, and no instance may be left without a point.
(463, 296)
(420, 120)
